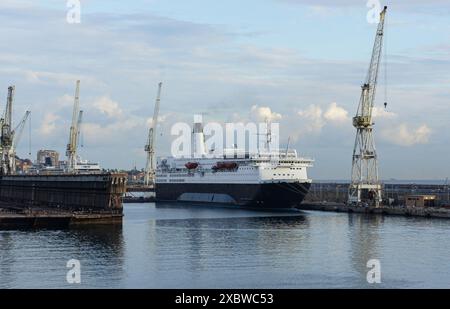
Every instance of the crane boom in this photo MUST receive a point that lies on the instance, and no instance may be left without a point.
(16, 136)
(17, 133)
(6, 133)
(7, 118)
(73, 137)
(365, 186)
(150, 167)
(366, 102)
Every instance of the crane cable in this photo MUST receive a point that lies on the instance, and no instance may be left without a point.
(29, 136)
(385, 68)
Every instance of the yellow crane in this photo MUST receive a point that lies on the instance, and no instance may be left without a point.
(365, 186)
(71, 151)
(150, 167)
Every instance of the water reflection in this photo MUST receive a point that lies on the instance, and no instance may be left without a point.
(175, 246)
(364, 238)
(37, 258)
(241, 238)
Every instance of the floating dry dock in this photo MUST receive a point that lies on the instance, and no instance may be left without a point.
(40, 200)
(430, 212)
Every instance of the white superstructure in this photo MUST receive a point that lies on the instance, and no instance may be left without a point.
(233, 166)
(252, 169)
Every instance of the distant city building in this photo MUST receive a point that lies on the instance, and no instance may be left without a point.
(23, 165)
(48, 158)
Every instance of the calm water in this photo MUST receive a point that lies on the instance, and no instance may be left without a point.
(195, 247)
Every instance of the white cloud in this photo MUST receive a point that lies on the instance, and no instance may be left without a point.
(316, 118)
(336, 114)
(48, 125)
(403, 135)
(262, 113)
(108, 107)
(379, 112)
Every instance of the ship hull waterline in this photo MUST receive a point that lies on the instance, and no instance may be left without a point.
(263, 196)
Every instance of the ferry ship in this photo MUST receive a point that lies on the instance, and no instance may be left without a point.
(262, 180)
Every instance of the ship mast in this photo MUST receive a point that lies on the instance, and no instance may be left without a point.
(365, 186)
(150, 167)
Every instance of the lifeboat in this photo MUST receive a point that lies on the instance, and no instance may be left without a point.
(191, 165)
(226, 166)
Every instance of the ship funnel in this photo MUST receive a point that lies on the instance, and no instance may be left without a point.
(198, 137)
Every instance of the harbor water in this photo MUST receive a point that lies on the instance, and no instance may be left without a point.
(188, 246)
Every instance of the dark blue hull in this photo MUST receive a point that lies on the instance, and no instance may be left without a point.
(260, 196)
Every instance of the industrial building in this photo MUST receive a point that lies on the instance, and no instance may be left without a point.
(48, 158)
(420, 200)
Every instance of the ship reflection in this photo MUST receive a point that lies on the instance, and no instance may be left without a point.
(219, 238)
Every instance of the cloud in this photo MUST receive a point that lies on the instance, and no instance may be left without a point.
(263, 113)
(108, 107)
(379, 112)
(48, 125)
(316, 118)
(336, 114)
(403, 135)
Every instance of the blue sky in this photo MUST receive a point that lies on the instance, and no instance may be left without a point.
(299, 61)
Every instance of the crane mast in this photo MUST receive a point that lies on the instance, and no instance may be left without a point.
(7, 133)
(150, 167)
(365, 186)
(71, 151)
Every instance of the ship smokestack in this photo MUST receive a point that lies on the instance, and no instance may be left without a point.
(198, 137)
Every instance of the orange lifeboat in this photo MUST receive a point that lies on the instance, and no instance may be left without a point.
(191, 165)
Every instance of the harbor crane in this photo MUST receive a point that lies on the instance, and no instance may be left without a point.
(10, 137)
(71, 151)
(7, 133)
(365, 186)
(150, 167)
(16, 134)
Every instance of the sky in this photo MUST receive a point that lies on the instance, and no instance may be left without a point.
(298, 62)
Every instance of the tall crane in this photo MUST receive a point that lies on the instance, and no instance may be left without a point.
(16, 134)
(71, 151)
(150, 167)
(6, 133)
(365, 186)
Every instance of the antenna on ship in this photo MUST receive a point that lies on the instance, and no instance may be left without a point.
(288, 144)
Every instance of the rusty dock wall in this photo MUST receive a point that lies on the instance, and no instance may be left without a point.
(90, 193)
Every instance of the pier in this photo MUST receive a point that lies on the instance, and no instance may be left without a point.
(11, 218)
(332, 197)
